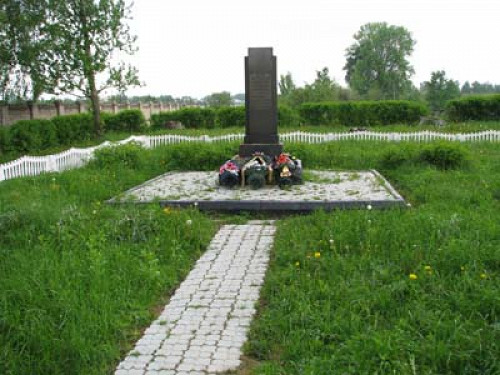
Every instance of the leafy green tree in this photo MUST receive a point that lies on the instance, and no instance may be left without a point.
(286, 84)
(88, 34)
(219, 99)
(479, 88)
(26, 48)
(377, 62)
(439, 90)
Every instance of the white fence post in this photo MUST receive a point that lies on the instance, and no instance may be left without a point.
(2, 174)
(51, 163)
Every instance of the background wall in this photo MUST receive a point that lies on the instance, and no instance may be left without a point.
(9, 114)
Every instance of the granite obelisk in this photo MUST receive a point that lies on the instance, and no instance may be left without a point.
(261, 128)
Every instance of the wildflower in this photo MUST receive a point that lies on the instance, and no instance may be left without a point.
(413, 276)
(331, 241)
(297, 264)
(484, 276)
(167, 210)
(195, 204)
(369, 221)
(408, 204)
(94, 212)
(369, 207)
(428, 268)
(317, 254)
(189, 222)
(462, 268)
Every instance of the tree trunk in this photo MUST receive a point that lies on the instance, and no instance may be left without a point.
(89, 72)
(96, 107)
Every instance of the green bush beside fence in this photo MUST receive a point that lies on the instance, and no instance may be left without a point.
(38, 135)
(224, 117)
(485, 108)
(129, 120)
(362, 113)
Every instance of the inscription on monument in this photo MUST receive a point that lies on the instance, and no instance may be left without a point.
(261, 91)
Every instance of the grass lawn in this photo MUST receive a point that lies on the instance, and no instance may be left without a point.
(413, 291)
(80, 279)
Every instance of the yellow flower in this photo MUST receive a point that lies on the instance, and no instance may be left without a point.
(317, 254)
(167, 210)
(413, 276)
(297, 264)
(484, 276)
(462, 268)
(428, 268)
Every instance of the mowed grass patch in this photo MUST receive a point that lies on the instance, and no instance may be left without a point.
(411, 291)
(80, 278)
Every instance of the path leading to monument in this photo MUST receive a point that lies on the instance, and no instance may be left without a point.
(204, 326)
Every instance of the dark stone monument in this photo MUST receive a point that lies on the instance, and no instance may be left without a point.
(261, 129)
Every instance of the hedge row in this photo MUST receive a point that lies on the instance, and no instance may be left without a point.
(37, 135)
(362, 113)
(485, 107)
(216, 118)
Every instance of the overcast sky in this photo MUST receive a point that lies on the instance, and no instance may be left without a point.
(197, 47)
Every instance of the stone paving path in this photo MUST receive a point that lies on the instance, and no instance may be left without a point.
(202, 329)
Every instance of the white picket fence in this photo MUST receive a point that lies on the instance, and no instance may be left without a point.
(77, 157)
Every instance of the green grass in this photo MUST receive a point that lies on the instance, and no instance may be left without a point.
(80, 278)
(353, 308)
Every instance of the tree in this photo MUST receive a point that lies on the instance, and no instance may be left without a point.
(27, 69)
(219, 99)
(88, 34)
(286, 84)
(377, 62)
(439, 90)
(323, 89)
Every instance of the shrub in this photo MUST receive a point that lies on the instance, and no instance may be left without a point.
(129, 155)
(366, 113)
(485, 107)
(4, 141)
(160, 120)
(445, 155)
(398, 155)
(129, 120)
(189, 117)
(73, 128)
(287, 116)
(33, 135)
(231, 116)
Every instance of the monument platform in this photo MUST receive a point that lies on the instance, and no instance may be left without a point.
(327, 190)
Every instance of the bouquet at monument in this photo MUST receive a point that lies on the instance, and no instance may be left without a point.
(260, 170)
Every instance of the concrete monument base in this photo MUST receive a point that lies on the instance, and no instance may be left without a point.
(247, 150)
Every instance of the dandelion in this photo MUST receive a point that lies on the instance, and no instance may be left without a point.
(317, 254)
(408, 204)
(331, 241)
(189, 222)
(428, 268)
(413, 276)
(369, 207)
(167, 210)
(297, 264)
(484, 276)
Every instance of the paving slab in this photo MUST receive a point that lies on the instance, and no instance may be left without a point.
(326, 190)
(205, 324)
